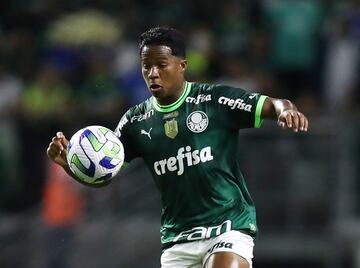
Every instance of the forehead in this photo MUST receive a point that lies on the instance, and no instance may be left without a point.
(154, 52)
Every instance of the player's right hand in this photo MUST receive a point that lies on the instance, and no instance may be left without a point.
(57, 149)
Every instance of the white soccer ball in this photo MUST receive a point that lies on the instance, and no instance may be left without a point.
(95, 155)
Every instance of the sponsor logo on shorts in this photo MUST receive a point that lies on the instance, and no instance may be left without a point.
(198, 233)
(235, 104)
(220, 244)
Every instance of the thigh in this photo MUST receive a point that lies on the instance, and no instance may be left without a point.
(231, 249)
(226, 260)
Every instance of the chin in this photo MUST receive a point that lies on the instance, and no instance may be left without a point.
(156, 94)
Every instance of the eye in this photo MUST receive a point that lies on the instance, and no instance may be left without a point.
(162, 65)
(145, 66)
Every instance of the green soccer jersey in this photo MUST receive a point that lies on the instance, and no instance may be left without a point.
(190, 148)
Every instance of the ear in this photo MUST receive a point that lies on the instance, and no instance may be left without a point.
(183, 65)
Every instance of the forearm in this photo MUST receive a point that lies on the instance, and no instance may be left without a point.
(285, 112)
(282, 105)
(272, 108)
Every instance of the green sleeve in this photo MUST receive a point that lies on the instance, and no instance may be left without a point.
(259, 106)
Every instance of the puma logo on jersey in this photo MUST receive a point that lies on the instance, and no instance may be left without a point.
(185, 157)
(147, 133)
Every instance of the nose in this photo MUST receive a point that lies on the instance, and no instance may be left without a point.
(153, 73)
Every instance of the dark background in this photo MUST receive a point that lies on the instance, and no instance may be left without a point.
(68, 64)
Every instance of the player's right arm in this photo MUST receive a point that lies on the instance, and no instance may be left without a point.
(57, 153)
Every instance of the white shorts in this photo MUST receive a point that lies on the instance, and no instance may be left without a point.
(195, 254)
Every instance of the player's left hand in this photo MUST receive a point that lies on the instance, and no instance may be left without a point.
(294, 120)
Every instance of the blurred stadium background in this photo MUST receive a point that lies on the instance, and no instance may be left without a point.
(67, 64)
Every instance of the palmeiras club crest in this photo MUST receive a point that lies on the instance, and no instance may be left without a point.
(171, 128)
(197, 121)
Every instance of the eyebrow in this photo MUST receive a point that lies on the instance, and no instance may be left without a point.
(161, 58)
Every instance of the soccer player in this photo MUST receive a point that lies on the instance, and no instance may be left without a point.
(187, 134)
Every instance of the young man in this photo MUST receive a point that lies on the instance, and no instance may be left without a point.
(187, 134)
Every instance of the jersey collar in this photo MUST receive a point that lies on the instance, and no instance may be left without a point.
(176, 104)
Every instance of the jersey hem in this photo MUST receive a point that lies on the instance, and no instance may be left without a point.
(167, 245)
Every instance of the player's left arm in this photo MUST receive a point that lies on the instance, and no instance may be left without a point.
(286, 114)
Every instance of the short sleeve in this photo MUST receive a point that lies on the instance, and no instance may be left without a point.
(123, 132)
(238, 107)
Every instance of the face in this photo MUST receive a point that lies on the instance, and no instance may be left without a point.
(163, 73)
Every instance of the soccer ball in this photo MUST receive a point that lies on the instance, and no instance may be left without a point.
(95, 155)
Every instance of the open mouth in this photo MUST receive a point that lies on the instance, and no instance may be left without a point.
(155, 87)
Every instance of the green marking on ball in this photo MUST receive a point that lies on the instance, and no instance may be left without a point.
(103, 130)
(113, 153)
(95, 143)
(77, 163)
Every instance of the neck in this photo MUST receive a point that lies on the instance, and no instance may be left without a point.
(173, 98)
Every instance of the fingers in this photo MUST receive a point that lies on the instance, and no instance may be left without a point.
(281, 124)
(54, 150)
(57, 145)
(63, 140)
(306, 124)
(303, 122)
(294, 120)
(56, 142)
(289, 120)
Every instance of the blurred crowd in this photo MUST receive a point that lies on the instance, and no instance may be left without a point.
(68, 64)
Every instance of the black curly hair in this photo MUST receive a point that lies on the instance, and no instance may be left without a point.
(164, 36)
